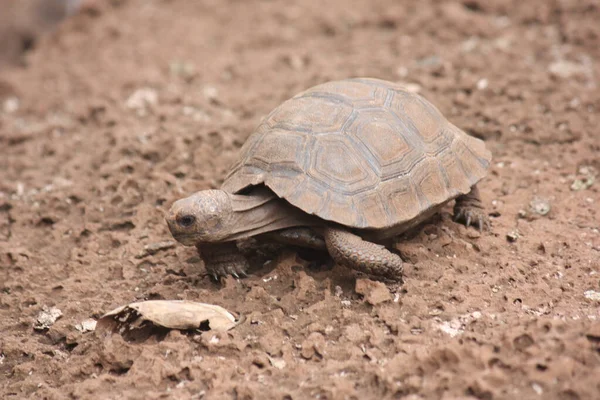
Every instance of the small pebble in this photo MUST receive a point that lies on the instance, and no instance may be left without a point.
(592, 295)
(582, 184)
(46, 318)
(88, 325)
(513, 236)
(141, 100)
(540, 206)
(11, 105)
(211, 93)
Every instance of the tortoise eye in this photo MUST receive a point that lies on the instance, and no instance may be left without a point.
(186, 220)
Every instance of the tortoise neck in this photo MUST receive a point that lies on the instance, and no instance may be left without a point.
(261, 211)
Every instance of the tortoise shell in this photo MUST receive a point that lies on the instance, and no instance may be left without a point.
(364, 153)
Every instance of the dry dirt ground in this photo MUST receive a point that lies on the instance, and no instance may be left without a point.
(132, 104)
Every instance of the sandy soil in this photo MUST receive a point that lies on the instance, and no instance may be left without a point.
(132, 104)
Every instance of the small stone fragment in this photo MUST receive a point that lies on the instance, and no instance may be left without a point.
(338, 291)
(567, 69)
(592, 295)
(373, 292)
(513, 236)
(473, 234)
(88, 325)
(307, 352)
(61, 355)
(196, 114)
(540, 206)
(46, 318)
(277, 362)
(10, 105)
(142, 99)
(482, 84)
(585, 179)
(452, 328)
(582, 184)
(211, 93)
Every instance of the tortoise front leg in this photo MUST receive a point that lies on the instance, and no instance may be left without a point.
(352, 251)
(468, 208)
(222, 259)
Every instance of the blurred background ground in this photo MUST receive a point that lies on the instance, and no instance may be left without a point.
(127, 105)
(23, 21)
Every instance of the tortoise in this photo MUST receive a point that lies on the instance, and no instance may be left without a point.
(344, 166)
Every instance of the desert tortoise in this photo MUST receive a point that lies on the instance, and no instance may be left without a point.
(341, 166)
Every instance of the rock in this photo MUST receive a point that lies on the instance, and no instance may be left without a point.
(592, 295)
(582, 184)
(211, 93)
(482, 84)
(46, 318)
(10, 105)
(142, 100)
(88, 325)
(513, 236)
(452, 328)
(540, 206)
(567, 69)
(586, 178)
(373, 292)
(278, 363)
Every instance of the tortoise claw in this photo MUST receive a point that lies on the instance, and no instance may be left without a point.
(223, 263)
(472, 216)
(233, 270)
(458, 215)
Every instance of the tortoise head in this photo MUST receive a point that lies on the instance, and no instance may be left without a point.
(202, 217)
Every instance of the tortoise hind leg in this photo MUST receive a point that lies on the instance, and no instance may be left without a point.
(468, 209)
(352, 251)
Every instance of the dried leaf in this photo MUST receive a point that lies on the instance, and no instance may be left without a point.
(172, 314)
